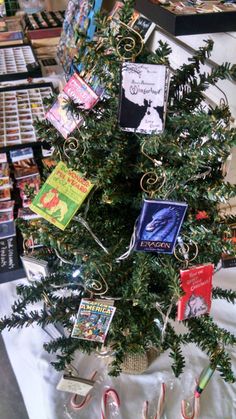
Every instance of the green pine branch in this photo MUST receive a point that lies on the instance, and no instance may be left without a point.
(208, 336)
(223, 294)
(173, 342)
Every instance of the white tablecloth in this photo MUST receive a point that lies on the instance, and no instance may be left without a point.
(37, 378)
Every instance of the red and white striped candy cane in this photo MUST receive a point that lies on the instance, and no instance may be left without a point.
(145, 410)
(160, 406)
(83, 401)
(196, 409)
(109, 393)
(161, 402)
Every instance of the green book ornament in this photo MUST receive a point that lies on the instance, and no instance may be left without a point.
(61, 195)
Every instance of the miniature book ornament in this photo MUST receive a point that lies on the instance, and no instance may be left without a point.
(196, 282)
(76, 385)
(93, 320)
(142, 25)
(143, 97)
(159, 225)
(60, 116)
(61, 195)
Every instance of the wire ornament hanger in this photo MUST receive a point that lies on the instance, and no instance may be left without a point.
(93, 286)
(128, 46)
(186, 250)
(71, 145)
(151, 178)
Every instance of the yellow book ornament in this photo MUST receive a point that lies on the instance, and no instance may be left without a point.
(61, 196)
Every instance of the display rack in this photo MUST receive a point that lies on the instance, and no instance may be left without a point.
(18, 62)
(20, 106)
(12, 247)
(44, 24)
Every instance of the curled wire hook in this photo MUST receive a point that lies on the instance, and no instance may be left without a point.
(151, 178)
(70, 144)
(154, 161)
(95, 286)
(130, 46)
(182, 248)
(66, 261)
(224, 100)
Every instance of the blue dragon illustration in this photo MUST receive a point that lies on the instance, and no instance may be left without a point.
(163, 225)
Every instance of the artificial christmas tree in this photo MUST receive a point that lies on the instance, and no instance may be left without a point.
(94, 256)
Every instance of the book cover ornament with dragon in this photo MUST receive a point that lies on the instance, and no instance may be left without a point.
(159, 225)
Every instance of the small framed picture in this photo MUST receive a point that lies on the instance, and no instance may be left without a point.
(35, 269)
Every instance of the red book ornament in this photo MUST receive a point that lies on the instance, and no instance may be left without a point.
(196, 282)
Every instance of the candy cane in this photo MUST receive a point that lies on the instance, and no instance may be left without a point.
(110, 392)
(160, 406)
(196, 409)
(84, 401)
(145, 410)
(161, 402)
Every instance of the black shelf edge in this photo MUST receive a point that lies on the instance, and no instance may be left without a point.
(12, 275)
(191, 24)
